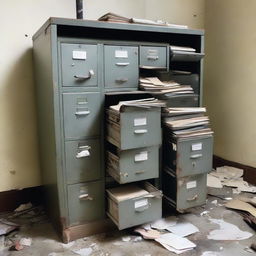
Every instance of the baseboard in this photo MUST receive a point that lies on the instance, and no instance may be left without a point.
(249, 172)
(10, 200)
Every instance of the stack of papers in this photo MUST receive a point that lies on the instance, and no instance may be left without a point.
(182, 48)
(186, 122)
(142, 103)
(167, 88)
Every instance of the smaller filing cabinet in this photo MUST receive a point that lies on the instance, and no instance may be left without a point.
(133, 127)
(128, 207)
(134, 164)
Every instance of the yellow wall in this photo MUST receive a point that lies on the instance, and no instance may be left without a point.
(19, 165)
(230, 77)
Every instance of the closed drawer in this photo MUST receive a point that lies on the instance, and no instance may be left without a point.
(86, 202)
(130, 209)
(185, 192)
(82, 160)
(134, 128)
(134, 164)
(79, 65)
(121, 66)
(151, 56)
(189, 156)
(82, 114)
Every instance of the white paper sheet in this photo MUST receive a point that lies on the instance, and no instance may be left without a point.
(171, 249)
(164, 223)
(213, 182)
(183, 229)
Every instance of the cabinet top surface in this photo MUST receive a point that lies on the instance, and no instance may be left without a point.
(114, 26)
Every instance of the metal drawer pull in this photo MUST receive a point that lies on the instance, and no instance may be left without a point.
(91, 73)
(140, 131)
(85, 197)
(122, 80)
(83, 153)
(84, 147)
(192, 199)
(82, 113)
(140, 172)
(153, 57)
(196, 156)
(122, 63)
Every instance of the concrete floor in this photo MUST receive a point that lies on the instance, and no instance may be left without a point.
(45, 241)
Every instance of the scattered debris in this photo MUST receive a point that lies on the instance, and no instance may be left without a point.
(227, 231)
(240, 205)
(17, 247)
(148, 234)
(126, 239)
(175, 242)
(215, 202)
(137, 239)
(248, 200)
(7, 226)
(228, 172)
(164, 223)
(204, 213)
(183, 229)
(52, 254)
(228, 198)
(25, 241)
(83, 251)
(210, 253)
(23, 207)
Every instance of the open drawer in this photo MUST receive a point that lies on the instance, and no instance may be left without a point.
(134, 204)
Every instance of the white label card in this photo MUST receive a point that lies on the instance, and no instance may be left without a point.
(142, 156)
(191, 184)
(197, 146)
(121, 54)
(140, 121)
(141, 203)
(79, 55)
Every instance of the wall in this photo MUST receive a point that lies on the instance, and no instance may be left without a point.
(230, 81)
(19, 165)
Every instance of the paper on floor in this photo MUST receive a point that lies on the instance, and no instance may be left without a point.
(26, 241)
(240, 184)
(183, 229)
(228, 172)
(210, 253)
(171, 249)
(213, 182)
(83, 251)
(164, 223)
(227, 231)
(148, 234)
(177, 242)
(240, 205)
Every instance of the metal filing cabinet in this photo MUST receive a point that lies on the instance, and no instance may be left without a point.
(76, 62)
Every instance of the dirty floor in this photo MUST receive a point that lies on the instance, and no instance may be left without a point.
(45, 241)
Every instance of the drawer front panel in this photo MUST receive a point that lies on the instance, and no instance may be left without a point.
(79, 65)
(134, 165)
(153, 56)
(121, 66)
(191, 191)
(194, 156)
(86, 202)
(140, 129)
(82, 160)
(82, 114)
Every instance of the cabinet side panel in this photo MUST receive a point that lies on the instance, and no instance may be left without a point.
(46, 124)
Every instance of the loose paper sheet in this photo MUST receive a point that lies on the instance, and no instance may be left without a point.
(183, 229)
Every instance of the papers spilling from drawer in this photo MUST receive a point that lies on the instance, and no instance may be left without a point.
(180, 53)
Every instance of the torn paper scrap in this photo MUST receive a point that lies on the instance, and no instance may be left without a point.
(177, 242)
(228, 172)
(241, 185)
(164, 223)
(227, 231)
(148, 234)
(23, 207)
(183, 229)
(213, 182)
(83, 251)
(240, 205)
(171, 249)
(26, 241)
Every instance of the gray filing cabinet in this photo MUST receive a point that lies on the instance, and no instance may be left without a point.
(76, 63)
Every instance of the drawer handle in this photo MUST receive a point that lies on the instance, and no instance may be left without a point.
(142, 209)
(194, 198)
(140, 131)
(84, 147)
(140, 172)
(122, 64)
(82, 113)
(122, 80)
(80, 77)
(85, 197)
(83, 153)
(196, 156)
(153, 57)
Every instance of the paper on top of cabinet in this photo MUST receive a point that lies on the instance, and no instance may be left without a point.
(79, 55)
(121, 54)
